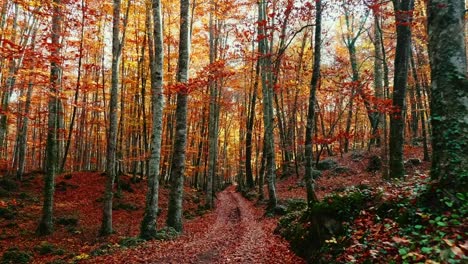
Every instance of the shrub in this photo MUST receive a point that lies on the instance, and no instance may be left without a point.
(8, 184)
(47, 248)
(7, 213)
(129, 242)
(167, 233)
(124, 206)
(68, 221)
(16, 256)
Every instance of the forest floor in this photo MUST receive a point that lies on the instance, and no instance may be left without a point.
(236, 231)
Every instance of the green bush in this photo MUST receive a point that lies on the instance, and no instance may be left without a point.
(124, 206)
(166, 233)
(47, 248)
(8, 184)
(16, 256)
(7, 213)
(4, 193)
(67, 220)
(129, 242)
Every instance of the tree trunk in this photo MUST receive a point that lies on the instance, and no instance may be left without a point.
(309, 174)
(46, 226)
(174, 214)
(449, 93)
(268, 118)
(148, 225)
(397, 118)
(106, 227)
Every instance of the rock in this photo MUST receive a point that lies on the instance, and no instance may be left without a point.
(375, 164)
(326, 164)
(413, 162)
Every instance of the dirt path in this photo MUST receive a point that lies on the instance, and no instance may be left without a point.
(235, 232)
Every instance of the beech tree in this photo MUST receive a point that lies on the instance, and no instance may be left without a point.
(449, 88)
(314, 83)
(174, 214)
(403, 17)
(268, 117)
(46, 226)
(148, 225)
(106, 228)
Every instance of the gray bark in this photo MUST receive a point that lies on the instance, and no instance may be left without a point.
(309, 173)
(174, 214)
(106, 227)
(397, 118)
(46, 226)
(268, 118)
(449, 97)
(148, 225)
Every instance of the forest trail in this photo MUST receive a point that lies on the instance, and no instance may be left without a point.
(235, 232)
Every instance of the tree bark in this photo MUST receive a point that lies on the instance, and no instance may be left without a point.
(174, 214)
(46, 226)
(449, 94)
(268, 118)
(403, 20)
(106, 227)
(148, 225)
(309, 174)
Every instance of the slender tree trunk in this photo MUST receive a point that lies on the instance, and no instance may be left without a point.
(250, 124)
(397, 118)
(268, 118)
(46, 226)
(213, 115)
(148, 225)
(77, 89)
(420, 108)
(106, 228)
(174, 214)
(449, 93)
(309, 174)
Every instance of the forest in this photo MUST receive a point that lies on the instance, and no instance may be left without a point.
(219, 131)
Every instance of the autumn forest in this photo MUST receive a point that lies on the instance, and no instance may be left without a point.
(217, 131)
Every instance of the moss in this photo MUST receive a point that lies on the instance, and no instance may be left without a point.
(46, 248)
(16, 256)
(8, 184)
(129, 242)
(307, 229)
(167, 233)
(68, 221)
(7, 213)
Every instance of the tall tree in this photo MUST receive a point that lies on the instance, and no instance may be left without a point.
(213, 120)
(106, 227)
(148, 225)
(403, 18)
(309, 175)
(51, 159)
(267, 89)
(449, 87)
(174, 214)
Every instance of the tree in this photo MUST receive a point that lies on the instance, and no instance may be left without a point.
(174, 214)
(148, 225)
(46, 226)
(449, 87)
(309, 174)
(403, 17)
(106, 227)
(268, 118)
